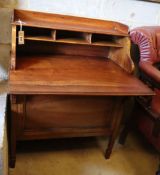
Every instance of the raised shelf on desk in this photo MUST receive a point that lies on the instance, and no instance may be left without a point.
(71, 37)
(63, 40)
(61, 74)
(39, 38)
(64, 22)
(74, 36)
(73, 41)
(107, 40)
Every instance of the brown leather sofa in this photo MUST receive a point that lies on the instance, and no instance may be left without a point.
(146, 112)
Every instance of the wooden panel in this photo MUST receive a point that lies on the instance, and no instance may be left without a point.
(33, 47)
(13, 48)
(73, 41)
(67, 112)
(37, 31)
(105, 40)
(121, 56)
(18, 112)
(63, 132)
(55, 21)
(73, 75)
(72, 37)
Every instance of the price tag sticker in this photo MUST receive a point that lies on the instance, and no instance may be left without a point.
(20, 34)
(20, 37)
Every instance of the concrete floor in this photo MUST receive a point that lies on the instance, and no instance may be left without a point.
(84, 156)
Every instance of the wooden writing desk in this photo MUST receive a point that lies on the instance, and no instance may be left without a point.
(70, 78)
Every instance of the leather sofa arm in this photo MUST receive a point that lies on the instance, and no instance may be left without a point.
(150, 70)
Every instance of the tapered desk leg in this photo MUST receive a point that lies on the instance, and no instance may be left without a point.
(123, 135)
(12, 133)
(12, 145)
(109, 148)
(12, 157)
(128, 124)
(16, 123)
(117, 116)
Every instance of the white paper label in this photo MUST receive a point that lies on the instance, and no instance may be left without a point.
(21, 37)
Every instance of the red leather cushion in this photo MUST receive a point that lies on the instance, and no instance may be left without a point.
(146, 126)
(158, 44)
(155, 104)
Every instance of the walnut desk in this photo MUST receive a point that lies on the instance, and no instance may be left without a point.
(69, 79)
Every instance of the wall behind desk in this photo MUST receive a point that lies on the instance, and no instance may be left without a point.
(131, 12)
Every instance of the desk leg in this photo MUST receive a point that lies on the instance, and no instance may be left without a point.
(12, 136)
(117, 116)
(17, 120)
(12, 157)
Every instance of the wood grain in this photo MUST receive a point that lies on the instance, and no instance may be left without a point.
(86, 41)
(55, 21)
(121, 56)
(32, 48)
(13, 48)
(67, 112)
(69, 79)
(73, 75)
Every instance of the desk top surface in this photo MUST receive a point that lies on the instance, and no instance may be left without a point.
(77, 75)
